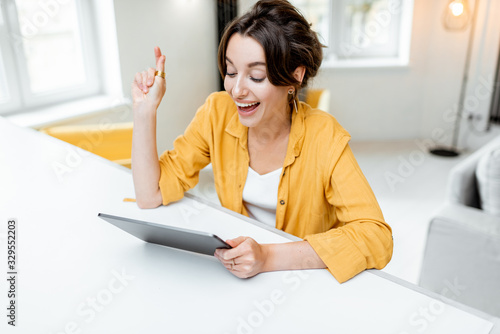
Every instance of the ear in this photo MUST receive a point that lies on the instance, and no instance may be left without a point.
(299, 73)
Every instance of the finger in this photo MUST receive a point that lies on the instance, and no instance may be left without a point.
(220, 255)
(160, 65)
(138, 80)
(232, 265)
(160, 60)
(235, 242)
(233, 253)
(157, 53)
(145, 81)
(151, 76)
(228, 264)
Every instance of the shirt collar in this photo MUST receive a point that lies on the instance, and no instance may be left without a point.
(297, 131)
(238, 130)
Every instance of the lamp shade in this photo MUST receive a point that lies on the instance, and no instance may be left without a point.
(456, 15)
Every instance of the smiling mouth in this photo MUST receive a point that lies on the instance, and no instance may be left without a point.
(247, 107)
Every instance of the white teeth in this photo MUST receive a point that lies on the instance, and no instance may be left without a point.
(243, 105)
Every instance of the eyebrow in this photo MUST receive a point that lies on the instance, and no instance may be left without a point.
(255, 63)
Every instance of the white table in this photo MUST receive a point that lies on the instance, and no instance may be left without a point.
(79, 274)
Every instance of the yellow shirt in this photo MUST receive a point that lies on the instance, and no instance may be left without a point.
(323, 196)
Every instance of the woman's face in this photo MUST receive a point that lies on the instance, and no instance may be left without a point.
(258, 101)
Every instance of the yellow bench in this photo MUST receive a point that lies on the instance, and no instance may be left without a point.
(318, 98)
(111, 141)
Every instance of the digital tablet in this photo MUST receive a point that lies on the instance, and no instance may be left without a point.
(189, 240)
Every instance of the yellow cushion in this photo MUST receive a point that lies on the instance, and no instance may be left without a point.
(110, 141)
(313, 96)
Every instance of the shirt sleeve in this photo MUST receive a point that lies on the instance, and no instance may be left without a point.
(363, 239)
(180, 167)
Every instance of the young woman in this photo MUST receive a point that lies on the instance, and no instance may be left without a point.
(274, 158)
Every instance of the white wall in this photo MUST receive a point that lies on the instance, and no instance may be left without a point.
(186, 32)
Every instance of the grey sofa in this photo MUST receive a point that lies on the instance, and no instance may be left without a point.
(462, 254)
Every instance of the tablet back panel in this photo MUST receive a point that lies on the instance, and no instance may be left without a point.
(194, 241)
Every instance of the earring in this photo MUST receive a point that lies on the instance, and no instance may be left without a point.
(290, 92)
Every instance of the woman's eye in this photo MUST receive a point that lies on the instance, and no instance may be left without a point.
(231, 75)
(257, 80)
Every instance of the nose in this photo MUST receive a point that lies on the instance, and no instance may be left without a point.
(239, 89)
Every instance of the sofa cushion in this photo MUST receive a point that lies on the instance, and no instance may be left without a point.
(488, 179)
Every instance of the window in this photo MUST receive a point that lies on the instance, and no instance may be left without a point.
(361, 32)
(317, 13)
(47, 53)
(4, 96)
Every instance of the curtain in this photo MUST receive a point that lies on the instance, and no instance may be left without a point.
(227, 10)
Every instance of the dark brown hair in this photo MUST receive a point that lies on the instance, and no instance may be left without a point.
(285, 36)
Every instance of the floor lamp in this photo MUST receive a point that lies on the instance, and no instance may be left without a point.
(456, 17)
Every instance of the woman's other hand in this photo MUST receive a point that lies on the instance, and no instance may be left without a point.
(148, 89)
(245, 259)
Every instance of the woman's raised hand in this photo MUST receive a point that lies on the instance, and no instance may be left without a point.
(148, 89)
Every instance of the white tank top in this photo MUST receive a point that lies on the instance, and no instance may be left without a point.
(260, 195)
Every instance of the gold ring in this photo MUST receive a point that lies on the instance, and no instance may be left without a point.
(160, 74)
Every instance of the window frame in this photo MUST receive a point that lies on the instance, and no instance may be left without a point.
(331, 58)
(402, 58)
(13, 94)
(21, 98)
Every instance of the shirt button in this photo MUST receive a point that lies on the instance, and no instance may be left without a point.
(282, 202)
